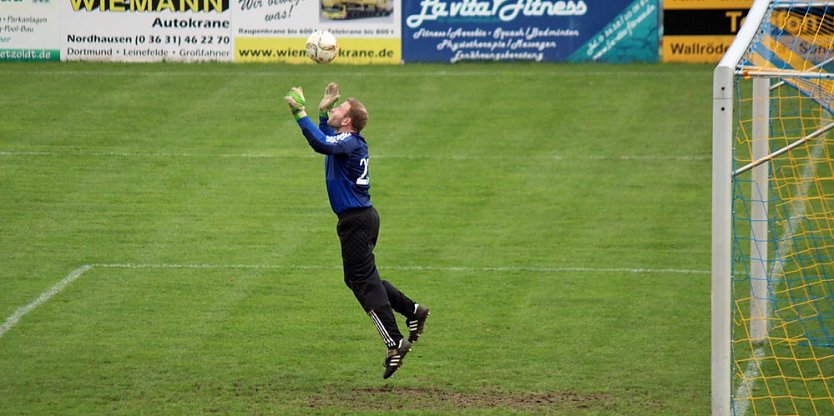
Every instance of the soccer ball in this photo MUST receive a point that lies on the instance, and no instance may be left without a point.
(322, 47)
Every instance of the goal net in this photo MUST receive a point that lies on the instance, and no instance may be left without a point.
(773, 214)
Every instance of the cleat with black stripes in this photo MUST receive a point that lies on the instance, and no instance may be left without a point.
(416, 323)
(394, 358)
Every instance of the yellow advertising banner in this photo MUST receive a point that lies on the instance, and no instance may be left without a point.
(706, 4)
(700, 31)
(695, 49)
(293, 50)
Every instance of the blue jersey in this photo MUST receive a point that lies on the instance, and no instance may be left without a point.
(345, 164)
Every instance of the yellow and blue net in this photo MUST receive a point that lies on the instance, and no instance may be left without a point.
(790, 371)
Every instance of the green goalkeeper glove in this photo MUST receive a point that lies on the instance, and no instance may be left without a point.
(295, 99)
(331, 95)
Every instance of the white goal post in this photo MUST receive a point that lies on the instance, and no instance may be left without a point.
(779, 61)
(722, 176)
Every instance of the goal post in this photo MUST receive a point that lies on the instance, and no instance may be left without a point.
(772, 290)
(721, 227)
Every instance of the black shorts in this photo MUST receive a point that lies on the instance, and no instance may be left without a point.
(358, 230)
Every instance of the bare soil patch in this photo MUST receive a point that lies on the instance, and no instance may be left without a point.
(382, 398)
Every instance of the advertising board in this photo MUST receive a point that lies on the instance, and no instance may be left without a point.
(29, 30)
(368, 31)
(530, 30)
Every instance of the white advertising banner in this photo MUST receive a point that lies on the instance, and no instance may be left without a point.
(368, 31)
(29, 30)
(146, 30)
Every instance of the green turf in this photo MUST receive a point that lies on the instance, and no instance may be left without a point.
(518, 201)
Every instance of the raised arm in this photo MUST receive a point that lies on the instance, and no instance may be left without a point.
(328, 101)
(319, 140)
(322, 143)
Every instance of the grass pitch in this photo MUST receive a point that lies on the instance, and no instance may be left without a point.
(554, 217)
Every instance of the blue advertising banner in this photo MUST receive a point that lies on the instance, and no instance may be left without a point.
(530, 30)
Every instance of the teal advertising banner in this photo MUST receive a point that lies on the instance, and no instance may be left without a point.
(630, 36)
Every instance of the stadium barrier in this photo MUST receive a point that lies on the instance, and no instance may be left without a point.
(369, 31)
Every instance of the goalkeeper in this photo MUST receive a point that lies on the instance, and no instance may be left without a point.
(347, 177)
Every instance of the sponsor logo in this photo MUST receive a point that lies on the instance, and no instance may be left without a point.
(815, 21)
(506, 11)
(207, 6)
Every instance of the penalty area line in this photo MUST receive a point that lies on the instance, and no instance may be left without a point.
(15, 318)
(484, 269)
(454, 158)
(40, 300)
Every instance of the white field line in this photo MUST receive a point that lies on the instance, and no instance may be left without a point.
(683, 158)
(400, 73)
(752, 370)
(49, 293)
(746, 387)
(465, 269)
(15, 318)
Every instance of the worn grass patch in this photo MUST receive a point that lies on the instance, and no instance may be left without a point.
(404, 398)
